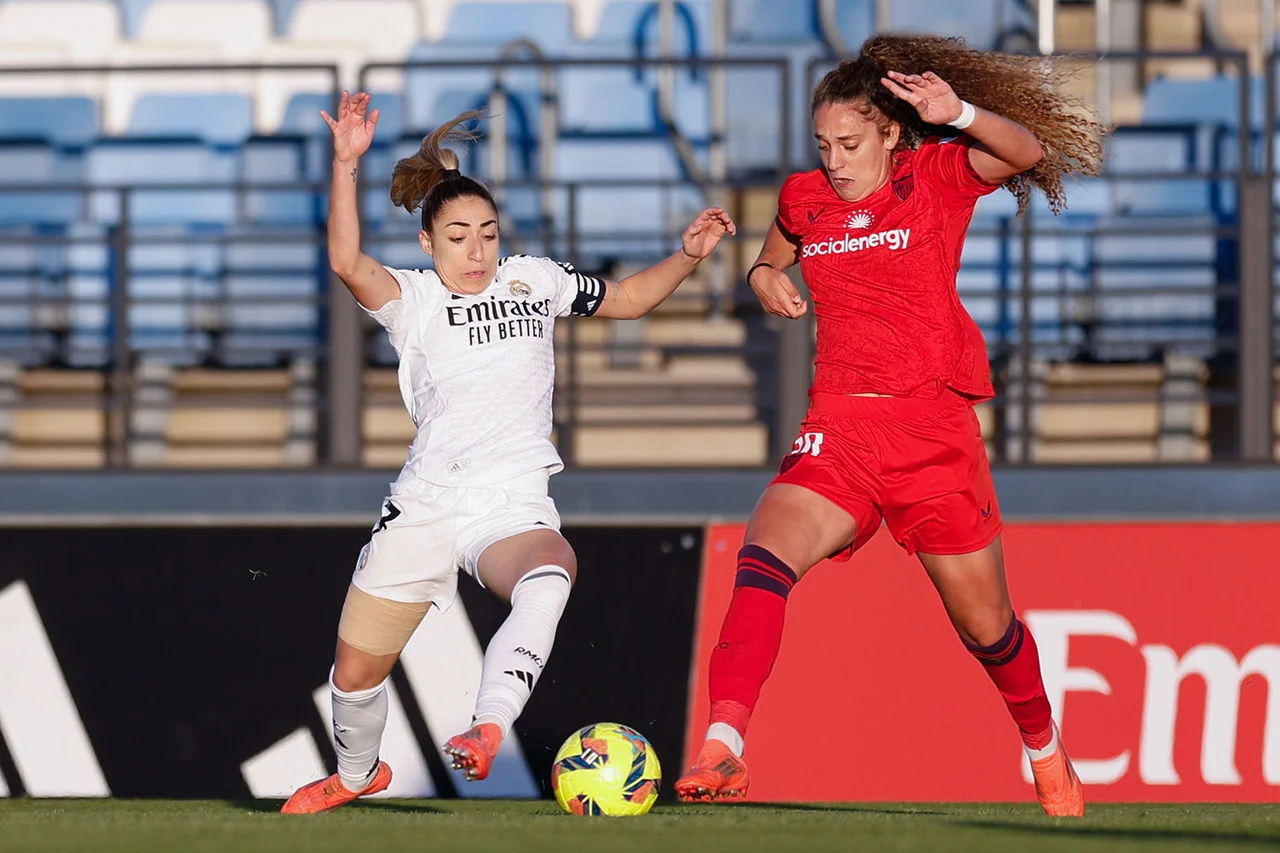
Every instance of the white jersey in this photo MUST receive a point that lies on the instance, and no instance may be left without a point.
(477, 372)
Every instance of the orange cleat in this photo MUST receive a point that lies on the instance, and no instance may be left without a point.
(326, 795)
(717, 774)
(473, 750)
(1057, 786)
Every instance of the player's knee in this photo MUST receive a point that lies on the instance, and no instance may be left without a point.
(557, 553)
(374, 628)
(760, 568)
(986, 628)
(545, 588)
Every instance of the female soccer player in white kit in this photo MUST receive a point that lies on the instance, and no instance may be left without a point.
(476, 348)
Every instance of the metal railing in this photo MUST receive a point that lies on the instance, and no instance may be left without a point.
(1235, 338)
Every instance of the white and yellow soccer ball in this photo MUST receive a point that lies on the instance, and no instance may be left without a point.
(606, 769)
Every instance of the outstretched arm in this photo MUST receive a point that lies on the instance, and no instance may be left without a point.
(368, 281)
(638, 294)
(1005, 148)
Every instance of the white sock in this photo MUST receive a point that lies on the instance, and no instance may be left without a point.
(1049, 749)
(727, 735)
(358, 720)
(520, 648)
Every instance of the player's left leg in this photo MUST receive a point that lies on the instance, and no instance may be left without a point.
(533, 570)
(976, 596)
(941, 505)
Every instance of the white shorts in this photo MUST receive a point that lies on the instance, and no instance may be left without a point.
(421, 541)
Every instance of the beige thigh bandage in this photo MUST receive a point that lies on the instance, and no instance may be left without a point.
(378, 626)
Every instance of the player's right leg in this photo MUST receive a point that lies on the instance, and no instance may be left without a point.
(792, 529)
(407, 566)
(372, 633)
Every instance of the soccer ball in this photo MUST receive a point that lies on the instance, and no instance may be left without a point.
(606, 769)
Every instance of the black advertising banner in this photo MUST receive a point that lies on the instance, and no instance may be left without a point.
(193, 662)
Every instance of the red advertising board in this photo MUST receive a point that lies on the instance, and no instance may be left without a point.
(1159, 643)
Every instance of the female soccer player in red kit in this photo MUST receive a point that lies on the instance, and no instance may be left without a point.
(891, 433)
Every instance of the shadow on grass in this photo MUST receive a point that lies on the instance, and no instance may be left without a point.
(1069, 826)
(812, 807)
(398, 806)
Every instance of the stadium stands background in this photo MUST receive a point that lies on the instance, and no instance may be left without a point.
(165, 303)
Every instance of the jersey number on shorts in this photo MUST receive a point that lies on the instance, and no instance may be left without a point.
(390, 512)
(808, 442)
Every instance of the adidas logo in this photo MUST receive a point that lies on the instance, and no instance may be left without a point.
(526, 677)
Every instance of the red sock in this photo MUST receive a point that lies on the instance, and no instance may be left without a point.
(750, 636)
(1013, 662)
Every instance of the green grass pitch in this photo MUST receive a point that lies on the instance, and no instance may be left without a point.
(387, 826)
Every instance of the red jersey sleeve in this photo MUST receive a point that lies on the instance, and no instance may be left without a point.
(946, 165)
(791, 220)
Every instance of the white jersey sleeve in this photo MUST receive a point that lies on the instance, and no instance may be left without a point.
(399, 315)
(576, 294)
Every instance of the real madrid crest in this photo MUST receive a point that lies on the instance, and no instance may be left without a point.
(519, 288)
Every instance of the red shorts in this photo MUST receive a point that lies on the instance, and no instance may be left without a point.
(919, 465)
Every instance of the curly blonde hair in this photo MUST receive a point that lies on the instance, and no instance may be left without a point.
(1024, 89)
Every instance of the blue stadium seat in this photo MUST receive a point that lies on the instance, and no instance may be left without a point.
(633, 28)
(171, 275)
(1211, 100)
(28, 290)
(424, 86)
(770, 22)
(624, 220)
(975, 21)
(1181, 257)
(268, 315)
(548, 24)
(605, 100)
(856, 20)
(1148, 148)
(141, 162)
(222, 118)
(302, 120)
(754, 106)
(277, 160)
(26, 164)
(68, 122)
(302, 114)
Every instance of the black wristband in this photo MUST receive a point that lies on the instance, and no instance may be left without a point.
(756, 266)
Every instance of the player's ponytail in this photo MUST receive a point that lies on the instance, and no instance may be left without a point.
(1024, 89)
(429, 178)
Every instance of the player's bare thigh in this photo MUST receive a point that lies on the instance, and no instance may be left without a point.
(798, 526)
(371, 634)
(974, 591)
(503, 563)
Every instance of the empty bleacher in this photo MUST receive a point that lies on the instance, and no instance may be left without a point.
(205, 191)
(1106, 413)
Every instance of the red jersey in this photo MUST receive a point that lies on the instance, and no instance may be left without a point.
(882, 275)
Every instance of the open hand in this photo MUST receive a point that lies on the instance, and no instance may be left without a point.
(701, 238)
(933, 97)
(353, 130)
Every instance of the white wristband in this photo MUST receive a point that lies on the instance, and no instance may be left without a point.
(967, 114)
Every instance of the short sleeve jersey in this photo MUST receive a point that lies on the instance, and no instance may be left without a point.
(477, 372)
(882, 276)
